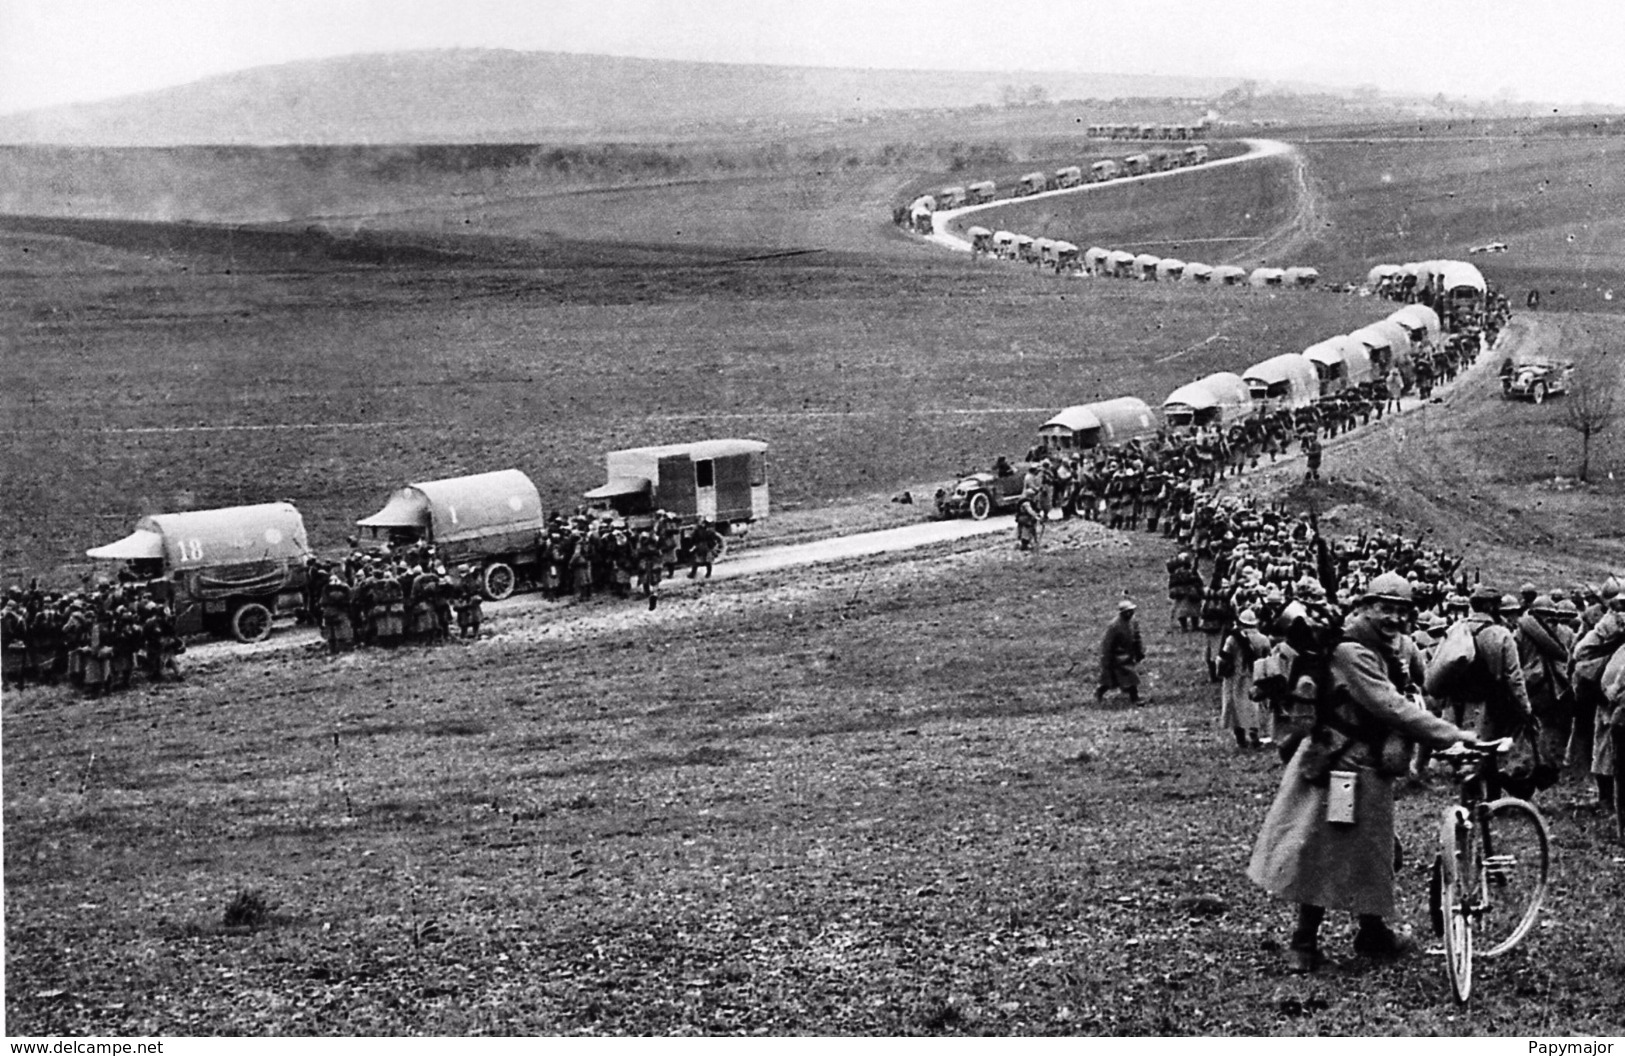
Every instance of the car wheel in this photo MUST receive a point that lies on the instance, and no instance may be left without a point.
(980, 506)
(497, 582)
(251, 623)
(1538, 393)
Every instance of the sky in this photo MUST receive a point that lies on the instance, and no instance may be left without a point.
(1562, 51)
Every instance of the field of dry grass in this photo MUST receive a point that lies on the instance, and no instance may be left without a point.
(277, 365)
(866, 799)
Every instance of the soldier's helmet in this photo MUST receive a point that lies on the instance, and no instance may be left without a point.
(1389, 586)
(1126, 605)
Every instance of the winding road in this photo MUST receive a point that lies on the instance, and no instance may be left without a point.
(534, 617)
(1256, 149)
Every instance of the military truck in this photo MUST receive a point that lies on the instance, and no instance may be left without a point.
(720, 481)
(228, 571)
(492, 521)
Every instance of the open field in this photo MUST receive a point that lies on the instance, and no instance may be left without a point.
(250, 366)
(861, 799)
(871, 801)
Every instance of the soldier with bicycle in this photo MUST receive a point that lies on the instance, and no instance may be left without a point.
(1312, 851)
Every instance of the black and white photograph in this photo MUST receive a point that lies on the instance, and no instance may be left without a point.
(817, 519)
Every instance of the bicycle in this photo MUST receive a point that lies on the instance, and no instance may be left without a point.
(1489, 878)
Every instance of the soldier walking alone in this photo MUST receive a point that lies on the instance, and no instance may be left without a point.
(1121, 650)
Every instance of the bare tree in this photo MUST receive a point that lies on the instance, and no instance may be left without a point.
(1592, 403)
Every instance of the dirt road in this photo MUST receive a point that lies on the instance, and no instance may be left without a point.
(1256, 148)
(531, 617)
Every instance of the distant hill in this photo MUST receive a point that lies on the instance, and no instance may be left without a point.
(488, 95)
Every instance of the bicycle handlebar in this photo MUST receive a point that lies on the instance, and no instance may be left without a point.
(1477, 749)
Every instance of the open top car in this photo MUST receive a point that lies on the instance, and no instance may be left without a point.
(983, 493)
(1536, 379)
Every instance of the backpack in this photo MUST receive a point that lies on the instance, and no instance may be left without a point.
(1452, 662)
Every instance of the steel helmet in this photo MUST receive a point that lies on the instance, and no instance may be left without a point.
(1389, 586)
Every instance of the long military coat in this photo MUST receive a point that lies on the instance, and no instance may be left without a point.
(1299, 855)
(1120, 649)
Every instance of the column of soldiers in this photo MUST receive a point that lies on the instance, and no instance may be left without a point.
(584, 555)
(385, 600)
(96, 640)
(386, 596)
(1475, 326)
(1551, 664)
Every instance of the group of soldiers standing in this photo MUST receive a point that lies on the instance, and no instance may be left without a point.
(388, 595)
(1544, 656)
(584, 555)
(95, 640)
(386, 599)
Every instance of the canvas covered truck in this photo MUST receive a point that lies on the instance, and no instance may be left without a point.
(1102, 171)
(1033, 183)
(1283, 383)
(1421, 323)
(1120, 264)
(1092, 425)
(1219, 400)
(981, 192)
(492, 521)
(226, 572)
(723, 482)
(1170, 269)
(1341, 363)
(1390, 346)
(1069, 176)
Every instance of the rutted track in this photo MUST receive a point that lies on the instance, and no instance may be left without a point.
(1256, 148)
(535, 618)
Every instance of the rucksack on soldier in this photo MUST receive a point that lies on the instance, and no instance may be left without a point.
(1452, 662)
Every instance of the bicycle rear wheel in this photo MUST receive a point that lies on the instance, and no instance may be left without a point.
(1517, 860)
(1459, 856)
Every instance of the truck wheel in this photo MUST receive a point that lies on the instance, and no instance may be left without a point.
(1538, 393)
(980, 506)
(497, 582)
(251, 623)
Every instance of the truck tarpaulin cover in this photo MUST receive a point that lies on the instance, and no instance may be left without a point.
(462, 508)
(271, 532)
(1223, 389)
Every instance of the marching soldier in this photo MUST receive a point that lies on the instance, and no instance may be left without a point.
(703, 545)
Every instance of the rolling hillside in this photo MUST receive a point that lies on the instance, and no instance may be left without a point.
(487, 95)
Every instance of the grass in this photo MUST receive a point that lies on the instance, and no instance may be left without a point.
(164, 365)
(865, 800)
(1218, 215)
(786, 819)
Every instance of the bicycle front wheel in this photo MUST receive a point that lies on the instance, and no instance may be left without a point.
(1460, 873)
(1517, 861)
